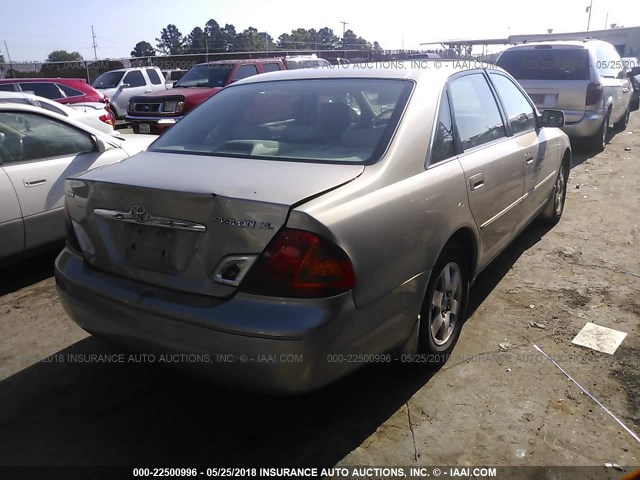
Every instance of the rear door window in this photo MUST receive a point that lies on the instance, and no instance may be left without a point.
(270, 67)
(153, 76)
(7, 87)
(134, 79)
(546, 64)
(245, 71)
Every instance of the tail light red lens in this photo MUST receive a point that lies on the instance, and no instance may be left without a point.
(300, 264)
(594, 93)
(108, 118)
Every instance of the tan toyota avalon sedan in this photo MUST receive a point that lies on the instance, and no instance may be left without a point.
(302, 223)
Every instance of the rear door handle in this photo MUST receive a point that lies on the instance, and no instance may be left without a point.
(147, 91)
(476, 181)
(35, 183)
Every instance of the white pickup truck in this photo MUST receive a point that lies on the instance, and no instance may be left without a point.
(120, 85)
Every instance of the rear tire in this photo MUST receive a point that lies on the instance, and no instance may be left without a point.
(553, 211)
(598, 141)
(621, 124)
(444, 305)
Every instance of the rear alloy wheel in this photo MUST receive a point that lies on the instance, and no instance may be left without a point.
(553, 211)
(443, 309)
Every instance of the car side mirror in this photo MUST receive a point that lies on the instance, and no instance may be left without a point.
(124, 85)
(553, 118)
(100, 144)
(634, 71)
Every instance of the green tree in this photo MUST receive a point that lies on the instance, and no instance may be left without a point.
(328, 40)
(196, 41)
(64, 56)
(171, 41)
(351, 41)
(1, 59)
(143, 49)
(251, 40)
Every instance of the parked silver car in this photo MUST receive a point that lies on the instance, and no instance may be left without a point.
(38, 150)
(302, 223)
(584, 79)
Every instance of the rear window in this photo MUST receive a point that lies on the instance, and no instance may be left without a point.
(331, 121)
(215, 75)
(546, 64)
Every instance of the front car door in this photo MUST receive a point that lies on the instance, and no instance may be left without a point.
(138, 85)
(539, 157)
(39, 153)
(492, 162)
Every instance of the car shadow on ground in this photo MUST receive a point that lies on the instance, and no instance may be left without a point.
(28, 271)
(63, 411)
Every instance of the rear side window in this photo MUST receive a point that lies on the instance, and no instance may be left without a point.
(518, 109)
(245, 71)
(270, 67)
(135, 79)
(153, 76)
(46, 90)
(475, 110)
(546, 64)
(443, 140)
(69, 92)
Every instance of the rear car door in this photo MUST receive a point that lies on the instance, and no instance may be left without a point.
(39, 153)
(157, 81)
(244, 71)
(492, 162)
(538, 157)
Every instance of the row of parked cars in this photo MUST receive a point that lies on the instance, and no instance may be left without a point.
(319, 218)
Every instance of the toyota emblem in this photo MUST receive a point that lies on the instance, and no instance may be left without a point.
(140, 214)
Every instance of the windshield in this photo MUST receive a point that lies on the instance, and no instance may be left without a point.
(328, 120)
(546, 64)
(214, 75)
(108, 80)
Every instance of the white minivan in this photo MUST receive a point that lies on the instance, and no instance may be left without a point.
(120, 85)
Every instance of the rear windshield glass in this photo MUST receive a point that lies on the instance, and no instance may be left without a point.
(215, 75)
(546, 64)
(108, 80)
(334, 121)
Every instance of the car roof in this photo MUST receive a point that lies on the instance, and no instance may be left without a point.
(241, 60)
(424, 70)
(586, 43)
(47, 79)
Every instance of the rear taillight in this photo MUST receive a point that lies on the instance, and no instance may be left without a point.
(594, 93)
(300, 264)
(108, 118)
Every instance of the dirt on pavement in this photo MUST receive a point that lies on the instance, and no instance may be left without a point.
(487, 405)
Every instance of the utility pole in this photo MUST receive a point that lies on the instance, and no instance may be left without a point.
(266, 42)
(206, 44)
(344, 47)
(589, 10)
(9, 57)
(95, 45)
(606, 20)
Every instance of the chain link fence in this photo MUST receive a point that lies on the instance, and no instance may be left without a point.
(91, 69)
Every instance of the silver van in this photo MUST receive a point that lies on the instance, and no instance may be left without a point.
(585, 79)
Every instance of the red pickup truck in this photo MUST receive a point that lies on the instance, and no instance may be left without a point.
(156, 112)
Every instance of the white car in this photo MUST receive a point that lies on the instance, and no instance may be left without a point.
(38, 151)
(93, 114)
(120, 85)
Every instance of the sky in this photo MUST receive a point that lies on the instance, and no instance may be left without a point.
(33, 29)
